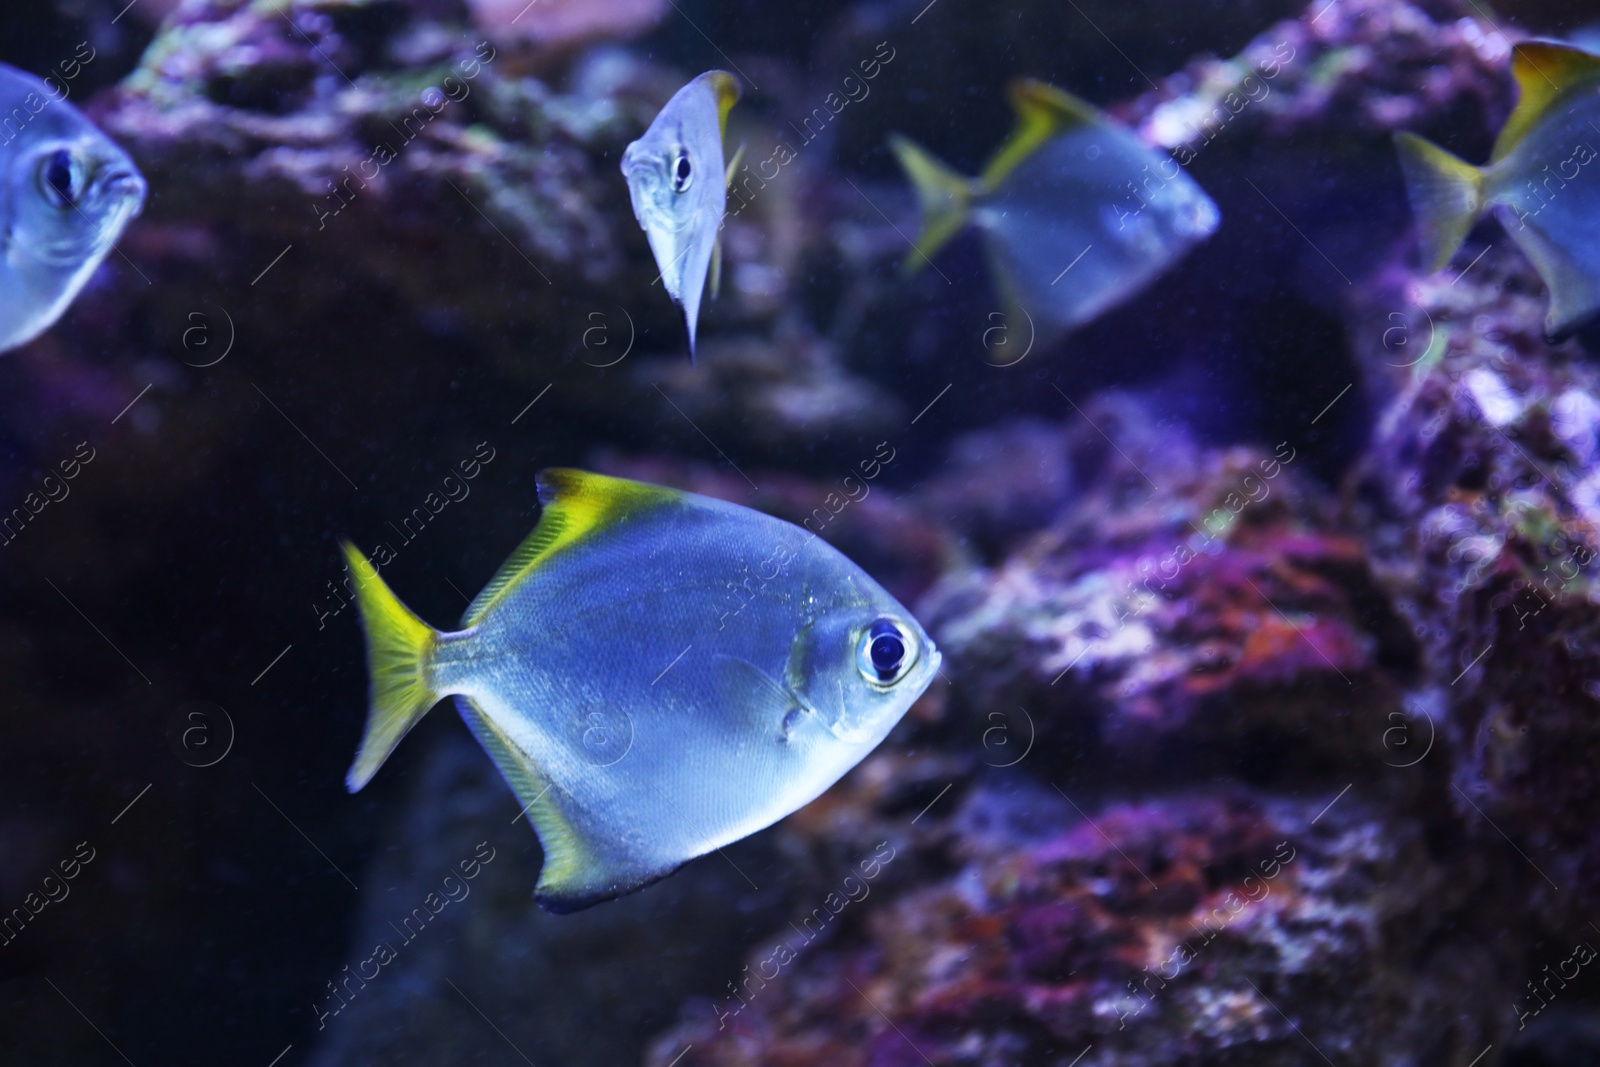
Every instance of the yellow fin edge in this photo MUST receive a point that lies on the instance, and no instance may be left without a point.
(565, 858)
(576, 505)
(726, 86)
(1043, 112)
(580, 869)
(1545, 71)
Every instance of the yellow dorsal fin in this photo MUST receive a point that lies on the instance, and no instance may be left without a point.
(1043, 112)
(726, 86)
(576, 504)
(1544, 70)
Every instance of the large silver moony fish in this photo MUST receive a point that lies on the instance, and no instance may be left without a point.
(67, 194)
(655, 673)
(678, 183)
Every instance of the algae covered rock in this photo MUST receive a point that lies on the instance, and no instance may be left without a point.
(1225, 927)
(1484, 515)
(1187, 606)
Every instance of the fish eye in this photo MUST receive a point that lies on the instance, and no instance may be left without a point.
(682, 171)
(885, 652)
(60, 178)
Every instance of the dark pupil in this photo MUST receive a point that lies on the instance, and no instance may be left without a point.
(683, 169)
(58, 172)
(888, 651)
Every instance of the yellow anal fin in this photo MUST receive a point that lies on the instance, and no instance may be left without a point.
(564, 856)
(1043, 112)
(1446, 195)
(399, 651)
(576, 505)
(944, 196)
(1544, 70)
(583, 866)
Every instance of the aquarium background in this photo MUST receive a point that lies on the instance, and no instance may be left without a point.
(1266, 732)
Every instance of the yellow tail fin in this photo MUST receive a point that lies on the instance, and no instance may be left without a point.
(1446, 195)
(944, 196)
(399, 650)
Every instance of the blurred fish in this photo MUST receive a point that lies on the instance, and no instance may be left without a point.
(677, 181)
(1538, 181)
(68, 194)
(1077, 213)
(655, 673)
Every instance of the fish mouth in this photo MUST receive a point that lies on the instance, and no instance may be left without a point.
(641, 173)
(635, 157)
(125, 186)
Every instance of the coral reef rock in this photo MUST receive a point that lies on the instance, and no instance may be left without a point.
(1226, 927)
(1190, 608)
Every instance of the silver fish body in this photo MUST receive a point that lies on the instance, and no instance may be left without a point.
(1088, 221)
(661, 674)
(66, 193)
(1077, 214)
(678, 186)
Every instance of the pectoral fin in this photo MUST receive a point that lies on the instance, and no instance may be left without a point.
(741, 684)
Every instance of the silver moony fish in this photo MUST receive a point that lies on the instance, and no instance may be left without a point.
(1062, 209)
(678, 183)
(642, 707)
(68, 193)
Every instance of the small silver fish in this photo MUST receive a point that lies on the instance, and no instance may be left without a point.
(677, 180)
(655, 673)
(68, 193)
(1077, 213)
(1541, 182)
